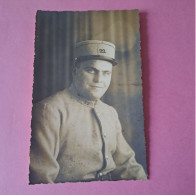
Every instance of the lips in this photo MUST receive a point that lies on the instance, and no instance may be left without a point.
(95, 86)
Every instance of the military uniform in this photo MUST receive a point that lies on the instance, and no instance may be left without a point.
(78, 140)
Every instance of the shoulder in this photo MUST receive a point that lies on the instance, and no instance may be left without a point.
(56, 99)
(54, 102)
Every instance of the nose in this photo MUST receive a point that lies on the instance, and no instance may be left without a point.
(98, 78)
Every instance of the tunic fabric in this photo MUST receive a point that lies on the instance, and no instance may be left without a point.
(74, 140)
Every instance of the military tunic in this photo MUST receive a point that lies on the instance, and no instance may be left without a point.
(75, 140)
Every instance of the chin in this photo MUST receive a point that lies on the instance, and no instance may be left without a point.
(98, 97)
(95, 96)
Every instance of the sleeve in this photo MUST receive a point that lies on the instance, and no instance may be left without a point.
(44, 144)
(126, 166)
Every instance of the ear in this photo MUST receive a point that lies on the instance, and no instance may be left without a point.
(74, 69)
(73, 72)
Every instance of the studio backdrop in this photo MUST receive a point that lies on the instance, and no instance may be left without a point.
(55, 37)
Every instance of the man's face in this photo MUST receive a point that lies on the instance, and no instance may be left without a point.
(92, 78)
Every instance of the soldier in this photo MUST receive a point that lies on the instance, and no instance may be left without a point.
(77, 137)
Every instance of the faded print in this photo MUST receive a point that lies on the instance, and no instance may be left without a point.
(74, 139)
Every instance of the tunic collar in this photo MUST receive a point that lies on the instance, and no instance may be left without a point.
(82, 100)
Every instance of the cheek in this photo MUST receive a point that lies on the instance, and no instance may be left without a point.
(84, 79)
(107, 81)
(87, 78)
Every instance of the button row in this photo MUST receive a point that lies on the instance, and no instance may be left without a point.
(98, 114)
(100, 174)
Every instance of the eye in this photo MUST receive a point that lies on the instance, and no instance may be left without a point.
(90, 70)
(107, 73)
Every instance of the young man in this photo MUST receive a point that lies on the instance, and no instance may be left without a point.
(77, 137)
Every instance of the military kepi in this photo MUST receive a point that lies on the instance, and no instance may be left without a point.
(95, 50)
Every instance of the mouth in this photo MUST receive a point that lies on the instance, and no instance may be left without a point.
(94, 86)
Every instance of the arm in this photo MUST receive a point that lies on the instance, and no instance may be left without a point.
(124, 157)
(44, 144)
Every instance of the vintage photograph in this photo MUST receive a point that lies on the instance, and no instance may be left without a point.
(87, 115)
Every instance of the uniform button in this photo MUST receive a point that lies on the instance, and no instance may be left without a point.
(104, 135)
(107, 157)
(100, 174)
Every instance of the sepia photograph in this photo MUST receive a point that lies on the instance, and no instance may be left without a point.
(87, 113)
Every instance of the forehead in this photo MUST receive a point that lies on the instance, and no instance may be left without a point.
(100, 65)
